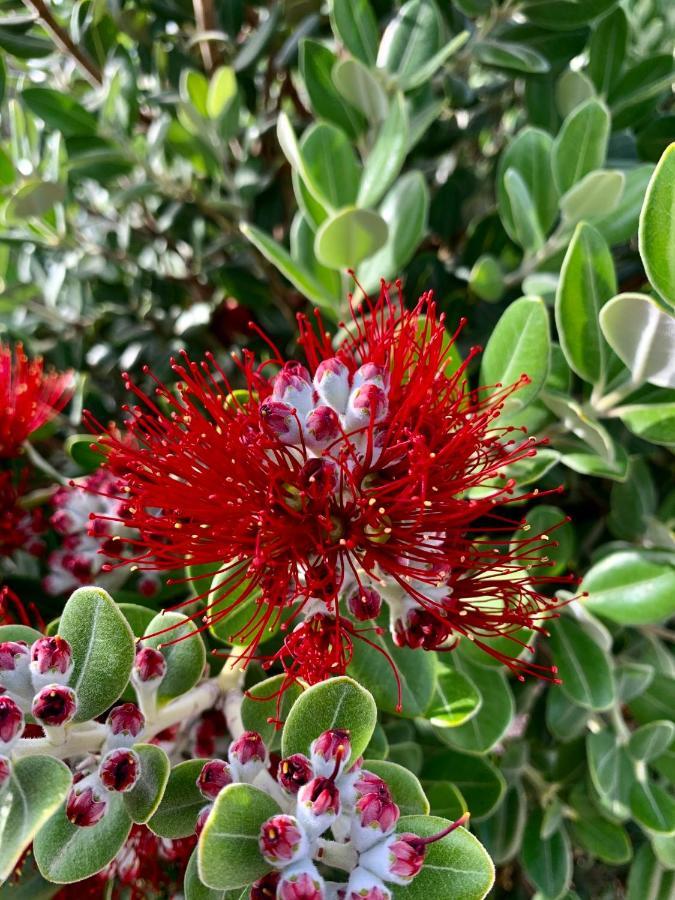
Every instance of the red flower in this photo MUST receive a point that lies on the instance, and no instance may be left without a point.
(19, 528)
(376, 468)
(29, 397)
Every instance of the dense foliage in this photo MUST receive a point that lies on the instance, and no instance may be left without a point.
(180, 176)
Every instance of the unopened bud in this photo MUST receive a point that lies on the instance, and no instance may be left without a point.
(86, 803)
(331, 382)
(51, 661)
(318, 805)
(282, 841)
(376, 814)
(301, 882)
(247, 756)
(265, 888)
(213, 778)
(125, 723)
(149, 666)
(54, 705)
(293, 772)
(14, 667)
(281, 420)
(363, 885)
(420, 628)
(365, 604)
(330, 752)
(119, 770)
(11, 722)
(322, 426)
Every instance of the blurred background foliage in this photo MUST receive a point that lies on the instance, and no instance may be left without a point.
(171, 171)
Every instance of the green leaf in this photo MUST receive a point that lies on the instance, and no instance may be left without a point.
(597, 194)
(622, 223)
(643, 336)
(298, 277)
(361, 89)
(387, 156)
(19, 633)
(354, 23)
(526, 225)
(632, 679)
(653, 422)
(445, 800)
(138, 617)
(261, 710)
(455, 866)
(530, 155)
(492, 719)
(581, 145)
(66, 853)
(633, 503)
(587, 282)
(144, 798)
(572, 89)
(348, 237)
(103, 650)
(405, 209)
(657, 702)
(507, 55)
(519, 344)
(651, 740)
(59, 111)
(547, 861)
(652, 807)
(376, 670)
(34, 199)
(228, 855)
(502, 833)
(185, 660)
(81, 448)
(194, 888)
(630, 588)
(456, 699)
(648, 880)
(607, 50)
(639, 88)
(564, 719)
(221, 92)
(603, 839)
(558, 539)
(486, 279)
(583, 666)
(611, 770)
(36, 788)
(410, 40)
(181, 803)
(316, 66)
(337, 703)
(330, 168)
(480, 783)
(561, 15)
(404, 786)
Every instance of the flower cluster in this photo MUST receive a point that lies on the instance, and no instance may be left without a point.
(374, 475)
(20, 529)
(325, 794)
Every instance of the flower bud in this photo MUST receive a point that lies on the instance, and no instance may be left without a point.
(375, 814)
(213, 778)
(86, 803)
(420, 628)
(265, 888)
(247, 756)
(204, 813)
(330, 752)
(281, 420)
(119, 770)
(367, 403)
(293, 772)
(149, 666)
(398, 858)
(365, 604)
(5, 771)
(282, 841)
(318, 805)
(11, 722)
(14, 667)
(125, 723)
(301, 882)
(54, 705)
(331, 382)
(322, 426)
(371, 373)
(293, 387)
(149, 584)
(363, 885)
(51, 661)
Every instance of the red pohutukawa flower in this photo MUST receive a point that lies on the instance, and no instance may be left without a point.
(29, 395)
(371, 476)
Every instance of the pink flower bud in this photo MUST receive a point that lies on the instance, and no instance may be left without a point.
(293, 387)
(51, 661)
(247, 756)
(318, 805)
(14, 668)
(375, 814)
(398, 858)
(293, 772)
(204, 813)
(54, 705)
(282, 420)
(213, 778)
(5, 771)
(149, 585)
(86, 803)
(421, 628)
(282, 841)
(265, 888)
(125, 722)
(363, 885)
(11, 721)
(367, 403)
(301, 882)
(331, 381)
(149, 665)
(365, 604)
(330, 752)
(119, 770)
(322, 426)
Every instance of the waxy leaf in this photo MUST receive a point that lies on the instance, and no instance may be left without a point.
(355, 24)
(657, 229)
(145, 796)
(182, 801)
(185, 659)
(643, 336)
(404, 786)
(581, 145)
(583, 666)
(630, 588)
(547, 860)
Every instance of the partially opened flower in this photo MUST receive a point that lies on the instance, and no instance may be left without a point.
(374, 475)
(29, 397)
